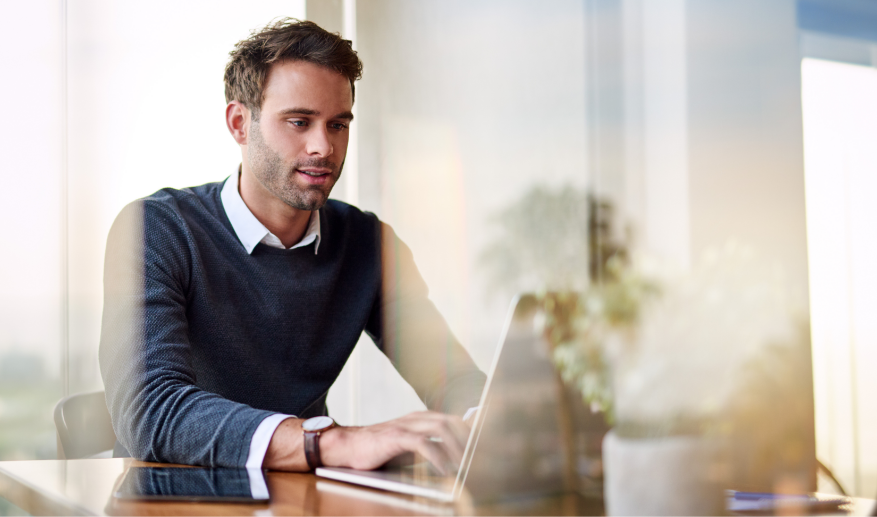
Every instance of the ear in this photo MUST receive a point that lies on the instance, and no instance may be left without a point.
(237, 118)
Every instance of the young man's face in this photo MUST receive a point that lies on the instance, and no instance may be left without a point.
(296, 149)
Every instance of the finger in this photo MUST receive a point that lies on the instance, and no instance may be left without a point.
(443, 460)
(432, 451)
(451, 443)
(461, 430)
(448, 430)
(439, 433)
(451, 450)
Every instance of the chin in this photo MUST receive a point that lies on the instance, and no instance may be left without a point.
(309, 203)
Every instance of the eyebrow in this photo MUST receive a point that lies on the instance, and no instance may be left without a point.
(305, 111)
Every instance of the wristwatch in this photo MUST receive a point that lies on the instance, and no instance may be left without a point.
(311, 429)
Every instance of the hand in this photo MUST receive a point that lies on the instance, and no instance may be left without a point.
(438, 437)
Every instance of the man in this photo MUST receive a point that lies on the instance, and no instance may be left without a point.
(230, 308)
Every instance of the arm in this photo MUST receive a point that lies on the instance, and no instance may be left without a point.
(158, 412)
(438, 437)
(409, 329)
(415, 337)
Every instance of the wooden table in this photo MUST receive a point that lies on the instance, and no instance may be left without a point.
(85, 487)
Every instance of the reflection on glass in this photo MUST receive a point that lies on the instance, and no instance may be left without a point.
(589, 147)
(31, 291)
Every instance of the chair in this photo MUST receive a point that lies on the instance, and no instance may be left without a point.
(84, 426)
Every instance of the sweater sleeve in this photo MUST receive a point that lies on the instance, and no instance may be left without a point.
(158, 412)
(409, 329)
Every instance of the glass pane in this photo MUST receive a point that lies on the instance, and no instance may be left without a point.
(462, 120)
(146, 104)
(31, 274)
(648, 154)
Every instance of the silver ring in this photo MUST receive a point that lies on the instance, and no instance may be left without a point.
(437, 439)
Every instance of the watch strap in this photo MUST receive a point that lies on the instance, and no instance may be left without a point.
(312, 449)
(312, 428)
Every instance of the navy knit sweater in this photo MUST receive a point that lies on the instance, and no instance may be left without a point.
(201, 341)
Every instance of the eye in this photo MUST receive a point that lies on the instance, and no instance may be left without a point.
(298, 123)
(338, 126)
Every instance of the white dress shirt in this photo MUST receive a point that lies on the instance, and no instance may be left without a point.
(250, 231)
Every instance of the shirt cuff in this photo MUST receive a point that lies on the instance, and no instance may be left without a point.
(262, 438)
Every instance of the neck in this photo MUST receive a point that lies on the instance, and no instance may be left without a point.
(287, 223)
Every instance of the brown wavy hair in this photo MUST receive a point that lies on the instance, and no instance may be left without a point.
(286, 39)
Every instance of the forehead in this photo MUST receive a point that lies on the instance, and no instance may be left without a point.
(301, 84)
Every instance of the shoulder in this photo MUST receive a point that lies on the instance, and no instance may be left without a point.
(166, 216)
(348, 229)
(343, 215)
(349, 226)
(344, 211)
(344, 218)
(183, 202)
(170, 207)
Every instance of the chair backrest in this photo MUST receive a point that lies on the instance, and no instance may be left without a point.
(84, 426)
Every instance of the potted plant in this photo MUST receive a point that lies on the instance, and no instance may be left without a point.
(675, 360)
(672, 368)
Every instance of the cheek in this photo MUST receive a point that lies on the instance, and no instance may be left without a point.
(339, 143)
(286, 141)
(291, 149)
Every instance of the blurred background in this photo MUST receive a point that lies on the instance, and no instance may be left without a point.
(723, 150)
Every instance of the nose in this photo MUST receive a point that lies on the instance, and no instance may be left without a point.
(319, 143)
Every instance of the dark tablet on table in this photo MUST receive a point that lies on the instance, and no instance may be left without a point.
(227, 485)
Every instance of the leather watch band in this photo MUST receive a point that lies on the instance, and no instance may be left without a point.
(312, 449)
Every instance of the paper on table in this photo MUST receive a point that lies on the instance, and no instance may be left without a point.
(764, 502)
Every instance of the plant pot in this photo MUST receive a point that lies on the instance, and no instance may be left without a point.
(675, 475)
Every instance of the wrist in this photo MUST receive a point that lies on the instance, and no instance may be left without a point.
(334, 447)
(285, 450)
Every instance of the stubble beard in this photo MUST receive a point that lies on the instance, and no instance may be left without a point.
(279, 178)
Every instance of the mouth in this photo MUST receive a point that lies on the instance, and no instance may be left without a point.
(315, 176)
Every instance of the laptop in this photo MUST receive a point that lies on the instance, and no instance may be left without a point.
(515, 445)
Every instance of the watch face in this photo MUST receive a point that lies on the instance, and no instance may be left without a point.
(317, 423)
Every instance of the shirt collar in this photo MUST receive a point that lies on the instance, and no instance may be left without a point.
(249, 230)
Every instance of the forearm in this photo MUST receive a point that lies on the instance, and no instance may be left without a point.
(177, 423)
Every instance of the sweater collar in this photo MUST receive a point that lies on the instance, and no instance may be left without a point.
(249, 230)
